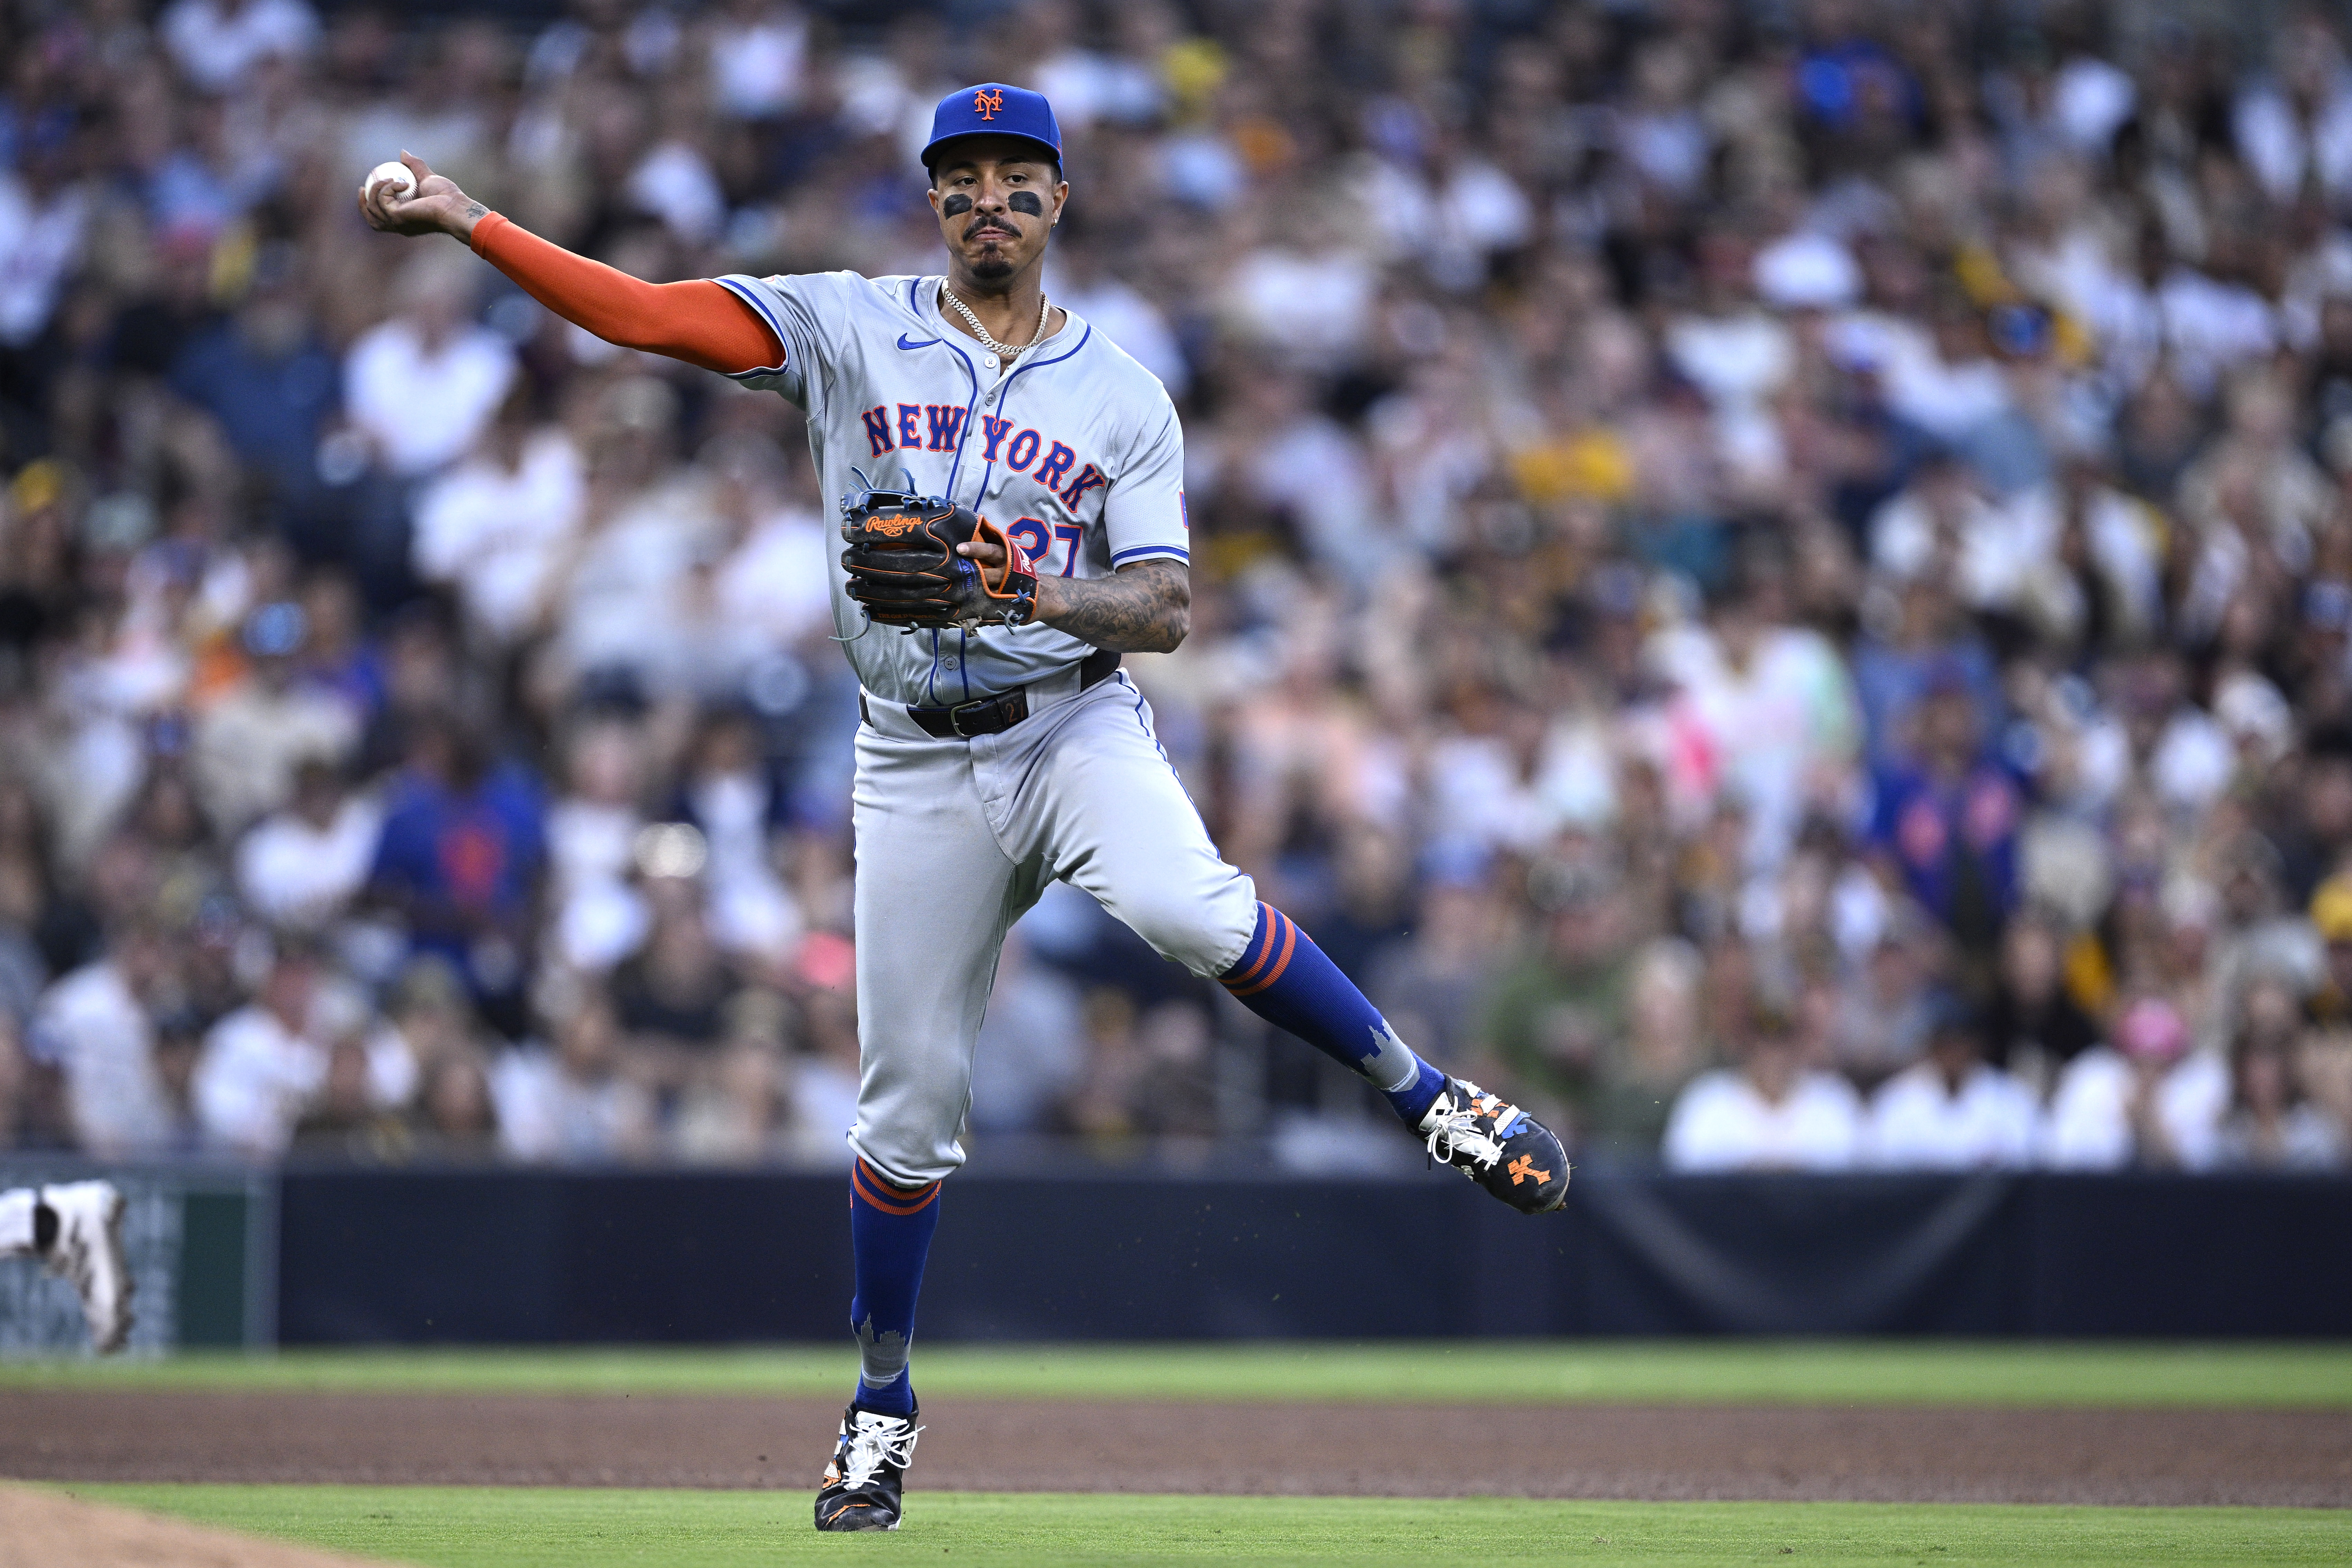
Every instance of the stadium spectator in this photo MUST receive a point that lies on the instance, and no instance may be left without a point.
(1770, 1113)
(1553, 1016)
(1429, 985)
(457, 1115)
(303, 866)
(2145, 1100)
(498, 527)
(572, 1103)
(1947, 824)
(219, 42)
(265, 1064)
(343, 1118)
(1885, 1007)
(726, 793)
(593, 830)
(672, 993)
(97, 1024)
(1802, 517)
(426, 1015)
(2270, 1124)
(422, 387)
(2035, 1027)
(269, 381)
(458, 858)
(1953, 1112)
(1664, 1048)
(740, 1112)
(253, 737)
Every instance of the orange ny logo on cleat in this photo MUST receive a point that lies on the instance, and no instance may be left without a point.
(1525, 1166)
(988, 102)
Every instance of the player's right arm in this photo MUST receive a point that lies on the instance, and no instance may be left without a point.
(698, 321)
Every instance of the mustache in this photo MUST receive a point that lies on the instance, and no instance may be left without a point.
(986, 225)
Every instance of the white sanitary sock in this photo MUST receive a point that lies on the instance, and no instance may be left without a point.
(16, 1221)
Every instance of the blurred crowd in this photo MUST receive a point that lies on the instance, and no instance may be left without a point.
(1774, 580)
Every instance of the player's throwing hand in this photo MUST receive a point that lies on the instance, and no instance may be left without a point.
(435, 207)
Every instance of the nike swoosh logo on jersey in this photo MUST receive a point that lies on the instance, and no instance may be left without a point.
(927, 342)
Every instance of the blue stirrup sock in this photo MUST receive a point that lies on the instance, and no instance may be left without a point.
(890, 1234)
(1284, 978)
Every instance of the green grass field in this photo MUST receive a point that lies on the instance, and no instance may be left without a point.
(552, 1528)
(564, 1528)
(1808, 1371)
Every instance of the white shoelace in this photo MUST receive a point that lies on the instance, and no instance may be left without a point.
(870, 1447)
(1457, 1132)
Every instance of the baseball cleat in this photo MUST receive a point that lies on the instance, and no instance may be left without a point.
(89, 1252)
(869, 1473)
(1496, 1145)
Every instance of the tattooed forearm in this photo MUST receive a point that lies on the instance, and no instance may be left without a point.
(1143, 608)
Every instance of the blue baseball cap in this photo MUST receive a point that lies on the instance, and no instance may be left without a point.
(992, 109)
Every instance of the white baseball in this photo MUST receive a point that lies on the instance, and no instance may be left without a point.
(391, 172)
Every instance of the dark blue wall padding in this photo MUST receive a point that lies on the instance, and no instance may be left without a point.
(500, 1256)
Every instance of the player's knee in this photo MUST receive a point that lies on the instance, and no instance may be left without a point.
(1183, 931)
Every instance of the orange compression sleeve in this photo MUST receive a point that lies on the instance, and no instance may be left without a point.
(698, 321)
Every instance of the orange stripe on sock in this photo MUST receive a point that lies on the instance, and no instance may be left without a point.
(902, 1209)
(881, 1191)
(1274, 918)
(1289, 942)
(1275, 921)
(870, 1186)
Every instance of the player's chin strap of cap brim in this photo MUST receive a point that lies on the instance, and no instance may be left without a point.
(994, 715)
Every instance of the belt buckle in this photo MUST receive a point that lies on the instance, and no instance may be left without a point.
(955, 721)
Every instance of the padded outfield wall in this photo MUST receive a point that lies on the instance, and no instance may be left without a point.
(343, 1256)
(518, 1258)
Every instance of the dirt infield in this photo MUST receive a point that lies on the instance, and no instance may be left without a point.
(40, 1530)
(1887, 1453)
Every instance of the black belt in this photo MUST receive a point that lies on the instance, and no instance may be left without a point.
(994, 715)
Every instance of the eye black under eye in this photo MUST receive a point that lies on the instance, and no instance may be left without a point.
(955, 205)
(1025, 202)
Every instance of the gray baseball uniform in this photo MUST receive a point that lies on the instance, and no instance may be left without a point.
(1076, 450)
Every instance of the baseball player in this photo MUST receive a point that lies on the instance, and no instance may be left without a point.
(1013, 507)
(76, 1230)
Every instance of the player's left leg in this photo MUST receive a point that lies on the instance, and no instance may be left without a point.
(76, 1230)
(934, 895)
(1284, 978)
(1101, 803)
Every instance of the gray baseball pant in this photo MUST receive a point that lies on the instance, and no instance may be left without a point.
(956, 839)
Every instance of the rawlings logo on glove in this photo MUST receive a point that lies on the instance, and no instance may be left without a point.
(903, 568)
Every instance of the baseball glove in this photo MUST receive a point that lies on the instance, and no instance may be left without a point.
(903, 568)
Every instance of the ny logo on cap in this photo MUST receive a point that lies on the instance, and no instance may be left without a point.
(988, 102)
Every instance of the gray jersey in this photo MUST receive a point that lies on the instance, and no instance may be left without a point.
(1074, 451)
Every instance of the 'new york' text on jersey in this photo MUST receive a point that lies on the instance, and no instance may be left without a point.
(1074, 450)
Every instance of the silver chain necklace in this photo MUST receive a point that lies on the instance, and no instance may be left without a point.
(1002, 351)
